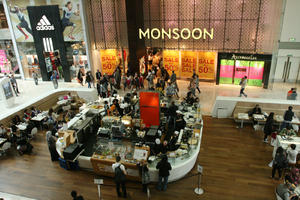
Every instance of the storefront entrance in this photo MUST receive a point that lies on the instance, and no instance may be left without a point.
(233, 67)
(288, 69)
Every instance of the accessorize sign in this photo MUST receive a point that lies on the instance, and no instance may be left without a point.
(188, 63)
(108, 61)
(171, 61)
(176, 33)
(206, 65)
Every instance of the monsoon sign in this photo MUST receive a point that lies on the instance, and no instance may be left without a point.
(177, 33)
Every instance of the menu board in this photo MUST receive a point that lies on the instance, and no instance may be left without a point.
(226, 71)
(256, 72)
(108, 61)
(206, 65)
(188, 63)
(7, 90)
(171, 61)
(241, 70)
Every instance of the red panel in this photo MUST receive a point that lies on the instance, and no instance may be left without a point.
(149, 108)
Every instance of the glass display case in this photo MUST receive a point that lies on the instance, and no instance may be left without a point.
(108, 150)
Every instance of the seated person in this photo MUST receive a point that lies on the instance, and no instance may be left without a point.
(180, 122)
(295, 176)
(34, 112)
(292, 94)
(190, 99)
(255, 110)
(26, 116)
(115, 109)
(3, 131)
(106, 108)
(288, 131)
(284, 190)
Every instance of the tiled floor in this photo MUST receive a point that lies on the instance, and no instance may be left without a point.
(209, 92)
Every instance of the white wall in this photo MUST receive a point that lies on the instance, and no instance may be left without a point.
(291, 27)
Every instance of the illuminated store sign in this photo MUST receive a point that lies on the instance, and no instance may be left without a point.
(235, 57)
(176, 33)
(44, 24)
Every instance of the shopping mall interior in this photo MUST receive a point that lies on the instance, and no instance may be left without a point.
(149, 99)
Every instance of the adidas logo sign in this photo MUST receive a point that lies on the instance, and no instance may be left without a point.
(44, 25)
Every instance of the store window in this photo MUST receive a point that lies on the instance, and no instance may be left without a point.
(72, 31)
(3, 21)
(8, 62)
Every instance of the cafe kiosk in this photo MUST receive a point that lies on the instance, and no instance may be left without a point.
(132, 138)
(7, 95)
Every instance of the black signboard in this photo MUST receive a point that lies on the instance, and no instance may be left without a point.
(48, 36)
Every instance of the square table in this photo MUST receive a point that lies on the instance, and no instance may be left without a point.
(242, 117)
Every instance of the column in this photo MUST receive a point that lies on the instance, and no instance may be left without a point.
(135, 20)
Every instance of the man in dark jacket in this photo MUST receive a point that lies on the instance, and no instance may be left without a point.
(98, 75)
(164, 167)
(288, 117)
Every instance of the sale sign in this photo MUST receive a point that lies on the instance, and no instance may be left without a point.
(108, 61)
(206, 65)
(188, 63)
(171, 61)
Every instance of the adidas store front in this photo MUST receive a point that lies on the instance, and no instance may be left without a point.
(49, 35)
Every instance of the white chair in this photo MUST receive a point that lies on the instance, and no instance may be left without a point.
(5, 147)
(277, 196)
(33, 132)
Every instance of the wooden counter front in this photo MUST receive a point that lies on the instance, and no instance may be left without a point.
(104, 167)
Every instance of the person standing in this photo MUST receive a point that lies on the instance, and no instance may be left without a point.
(288, 117)
(268, 128)
(120, 176)
(80, 76)
(197, 83)
(98, 75)
(14, 84)
(51, 141)
(279, 162)
(292, 155)
(35, 77)
(53, 78)
(164, 167)
(144, 173)
(243, 84)
(117, 75)
(88, 79)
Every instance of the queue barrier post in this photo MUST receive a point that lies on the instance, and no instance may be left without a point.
(98, 182)
(199, 190)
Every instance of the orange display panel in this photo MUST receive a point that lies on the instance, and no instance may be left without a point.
(149, 108)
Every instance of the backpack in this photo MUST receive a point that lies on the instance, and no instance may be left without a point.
(119, 175)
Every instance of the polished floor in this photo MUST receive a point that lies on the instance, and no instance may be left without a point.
(209, 92)
(234, 160)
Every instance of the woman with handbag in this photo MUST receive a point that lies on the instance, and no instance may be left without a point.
(280, 162)
(144, 173)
